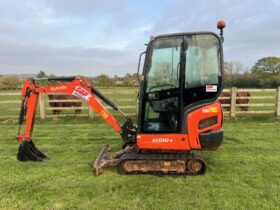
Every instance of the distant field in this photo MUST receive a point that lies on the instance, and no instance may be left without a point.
(242, 174)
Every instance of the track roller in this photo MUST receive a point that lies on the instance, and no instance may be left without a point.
(195, 166)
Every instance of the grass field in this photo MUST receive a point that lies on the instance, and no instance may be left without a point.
(243, 174)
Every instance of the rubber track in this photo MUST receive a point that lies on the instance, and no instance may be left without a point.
(148, 157)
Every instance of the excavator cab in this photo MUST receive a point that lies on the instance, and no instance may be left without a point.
(181, 71)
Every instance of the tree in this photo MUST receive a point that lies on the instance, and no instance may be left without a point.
(10, 83)
(233, 72)
(103, 80)
(135, 79)
(116, 78)
(41, 74)
(1, 83)
(51, 75)
(267, 72)
(267, 65)
(127, 80)
(233, 67)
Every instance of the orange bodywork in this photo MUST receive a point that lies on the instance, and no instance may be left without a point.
(79, 87)
(163, 141)
(188, 141)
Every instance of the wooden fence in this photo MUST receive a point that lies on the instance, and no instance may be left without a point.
(259, 101)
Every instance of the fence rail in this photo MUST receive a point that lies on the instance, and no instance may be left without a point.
(235, 103)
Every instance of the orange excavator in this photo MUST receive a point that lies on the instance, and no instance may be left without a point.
(178, 113)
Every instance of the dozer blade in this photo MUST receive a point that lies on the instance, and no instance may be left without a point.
(27, 151)
(101, 160)
(107, 158)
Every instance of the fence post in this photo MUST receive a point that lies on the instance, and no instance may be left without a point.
(90, 112)
(278, 103)
(232, 101)
(42, 106)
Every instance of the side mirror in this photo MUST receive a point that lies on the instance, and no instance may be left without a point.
(221, 25)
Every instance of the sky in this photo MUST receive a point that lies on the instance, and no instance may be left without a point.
(91, 37)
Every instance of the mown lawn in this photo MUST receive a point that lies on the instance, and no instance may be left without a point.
(243, 174)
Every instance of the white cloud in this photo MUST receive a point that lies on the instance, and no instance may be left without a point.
(68, 61)
(66, 36)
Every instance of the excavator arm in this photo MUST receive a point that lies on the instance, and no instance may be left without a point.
(76, 86)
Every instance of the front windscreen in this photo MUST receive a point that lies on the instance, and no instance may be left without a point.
(164, 65)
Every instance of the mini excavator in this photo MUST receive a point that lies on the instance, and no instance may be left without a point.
(177, 109)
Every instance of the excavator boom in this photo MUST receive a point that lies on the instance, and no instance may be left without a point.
(76, 86)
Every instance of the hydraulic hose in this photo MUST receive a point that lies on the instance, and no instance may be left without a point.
(104, 98)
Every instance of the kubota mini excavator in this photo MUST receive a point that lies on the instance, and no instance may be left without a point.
(181, 80)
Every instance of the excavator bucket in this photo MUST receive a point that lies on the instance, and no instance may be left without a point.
(27, 151)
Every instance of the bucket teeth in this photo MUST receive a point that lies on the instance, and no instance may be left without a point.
(27, 151)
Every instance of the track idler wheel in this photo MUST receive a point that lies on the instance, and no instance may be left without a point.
(27, 151)
(195, 167)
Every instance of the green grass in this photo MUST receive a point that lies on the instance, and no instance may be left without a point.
(242, 174)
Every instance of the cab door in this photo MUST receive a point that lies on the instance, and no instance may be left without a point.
(161, 98)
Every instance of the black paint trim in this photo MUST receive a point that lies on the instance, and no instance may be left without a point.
(211, 140)
(104, 98)
(189, 109)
